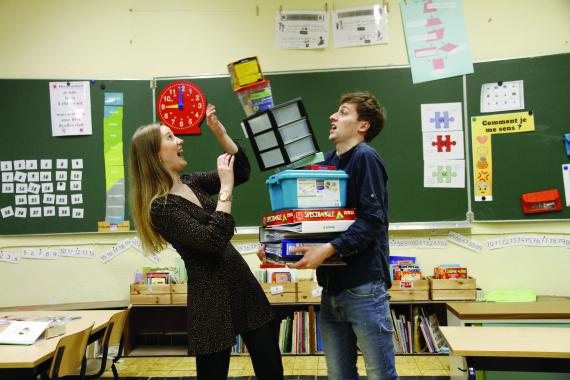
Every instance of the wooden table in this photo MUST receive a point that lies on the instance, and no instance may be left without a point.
(529, 349)
(464, 313)
(28, 361)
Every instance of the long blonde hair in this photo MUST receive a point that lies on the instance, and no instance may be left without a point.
(148, 181)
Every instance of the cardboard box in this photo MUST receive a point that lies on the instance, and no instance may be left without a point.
(308, 292)
(417, 290)
(179, 298)
(179, 293)
(453, 289)
(280, 292)
(179, 288)
(157, 294)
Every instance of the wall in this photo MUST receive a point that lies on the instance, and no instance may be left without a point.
(110, 39)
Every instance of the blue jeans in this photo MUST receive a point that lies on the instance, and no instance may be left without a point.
(360, 315)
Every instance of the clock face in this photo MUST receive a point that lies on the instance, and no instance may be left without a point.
(181, 106)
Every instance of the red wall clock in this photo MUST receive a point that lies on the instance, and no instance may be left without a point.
(182, 106)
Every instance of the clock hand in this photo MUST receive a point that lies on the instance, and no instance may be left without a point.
(180, 101)
(172, 106)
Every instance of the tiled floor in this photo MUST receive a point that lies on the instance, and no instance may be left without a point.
(296, 367)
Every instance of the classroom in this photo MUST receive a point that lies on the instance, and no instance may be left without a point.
(136, 48)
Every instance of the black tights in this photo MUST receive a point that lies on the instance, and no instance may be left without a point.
(264, 352)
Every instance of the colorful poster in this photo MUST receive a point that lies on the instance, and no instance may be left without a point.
(360, 26)
(114, 165)
(436, 39)
(482, 128)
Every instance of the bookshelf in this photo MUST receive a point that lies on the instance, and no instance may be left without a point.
(160, 330)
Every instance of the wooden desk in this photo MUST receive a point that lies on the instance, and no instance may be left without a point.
(34, 359)
(530, 349)
(461, 314)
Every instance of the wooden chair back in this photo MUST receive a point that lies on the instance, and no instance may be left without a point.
(69, 354)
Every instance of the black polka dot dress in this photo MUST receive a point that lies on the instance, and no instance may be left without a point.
(224, 298)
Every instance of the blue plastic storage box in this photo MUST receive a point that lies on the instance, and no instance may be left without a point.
(306, 189)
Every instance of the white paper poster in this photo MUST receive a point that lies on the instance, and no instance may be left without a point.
(566, 179)
(441, 117)
(443, 145)
(70, 108)
(502, 96)
(444, 173)
(301, 30)
(360, 26)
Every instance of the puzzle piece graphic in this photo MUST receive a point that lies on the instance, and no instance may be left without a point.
(444, 174)
(442, 121)
(441, 143)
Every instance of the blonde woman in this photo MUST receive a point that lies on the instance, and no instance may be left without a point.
(224, 298)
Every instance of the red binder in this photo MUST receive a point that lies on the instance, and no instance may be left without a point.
(541, 201)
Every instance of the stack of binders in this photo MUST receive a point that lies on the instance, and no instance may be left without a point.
(286, 229)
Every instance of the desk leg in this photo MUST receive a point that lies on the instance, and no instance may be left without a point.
(457, 368)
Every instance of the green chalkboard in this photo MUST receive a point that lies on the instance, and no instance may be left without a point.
(26, 135)
(531, 161)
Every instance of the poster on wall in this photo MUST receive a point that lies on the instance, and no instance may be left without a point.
(436, 37)
(70, 106)
(360, 26)
(301, 30)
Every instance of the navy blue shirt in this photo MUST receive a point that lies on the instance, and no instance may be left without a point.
(364, 246)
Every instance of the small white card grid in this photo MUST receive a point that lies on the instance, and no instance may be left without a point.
(7, 188)
(21, 177)
(35, 212)
(8, 177)
(502, 96)
(9, 257)
(86, 253)
(77, 163)
(31, 164)
(5, 166)
(39, 253)
(528, 240)
(47, 187)
(45, 164)
(119, 248)
(7, 212)
(61, 163)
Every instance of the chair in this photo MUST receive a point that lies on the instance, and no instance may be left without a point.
(69, 355)
(113, 336)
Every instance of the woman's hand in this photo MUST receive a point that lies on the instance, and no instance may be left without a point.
(213, 122)
(226, 172)
(261, 253)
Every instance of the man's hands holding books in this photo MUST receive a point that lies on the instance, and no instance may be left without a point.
(313, 257)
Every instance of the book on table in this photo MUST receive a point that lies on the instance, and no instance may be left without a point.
(23, 332)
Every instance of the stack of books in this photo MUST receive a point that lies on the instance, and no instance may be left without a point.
(287, 229)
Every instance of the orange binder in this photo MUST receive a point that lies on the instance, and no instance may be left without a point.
(541, 201)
